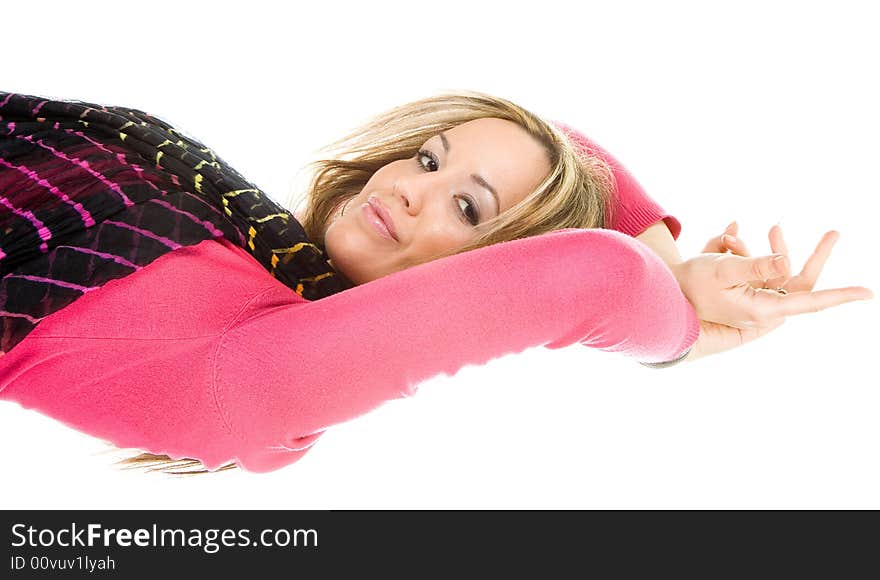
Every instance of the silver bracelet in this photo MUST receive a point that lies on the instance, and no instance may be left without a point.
(669, 363)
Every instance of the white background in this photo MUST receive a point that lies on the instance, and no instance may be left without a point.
(762, 112)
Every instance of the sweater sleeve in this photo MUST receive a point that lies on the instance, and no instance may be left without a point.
(285, 374)
(633, 210)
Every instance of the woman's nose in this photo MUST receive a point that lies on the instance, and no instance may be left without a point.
(417, 192)
(408, 199)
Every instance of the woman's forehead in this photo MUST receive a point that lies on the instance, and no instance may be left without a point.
(499, 151)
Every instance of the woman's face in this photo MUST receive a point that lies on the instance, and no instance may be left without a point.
(435, 201)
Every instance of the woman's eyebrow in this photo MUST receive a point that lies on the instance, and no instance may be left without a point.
(478, 179)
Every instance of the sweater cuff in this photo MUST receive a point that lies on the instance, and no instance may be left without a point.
(692, 333)
(673, 362)
(636, 220)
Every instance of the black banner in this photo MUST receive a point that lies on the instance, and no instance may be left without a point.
(126, 544)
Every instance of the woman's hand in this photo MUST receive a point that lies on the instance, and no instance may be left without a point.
(738, 301)
(740, 291)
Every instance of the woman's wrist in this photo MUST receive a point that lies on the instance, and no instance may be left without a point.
(693, 354)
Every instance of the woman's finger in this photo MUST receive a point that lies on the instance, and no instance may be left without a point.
(738, 247)
(777, 242)
(735, 245)
(809, 275)
(803, 302)
(777, 246)
(716, 245)
(732, 228)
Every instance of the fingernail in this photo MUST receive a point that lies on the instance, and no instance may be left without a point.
(730, 225)
(728, 239)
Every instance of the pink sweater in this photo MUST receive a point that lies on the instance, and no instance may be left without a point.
(204, 354)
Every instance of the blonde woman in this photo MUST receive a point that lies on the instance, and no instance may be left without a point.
(153, 297)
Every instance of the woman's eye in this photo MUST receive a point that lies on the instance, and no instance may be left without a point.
(468, 210)
(430, 156)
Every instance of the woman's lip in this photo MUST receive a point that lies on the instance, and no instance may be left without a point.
(376, 221)
(384, 215)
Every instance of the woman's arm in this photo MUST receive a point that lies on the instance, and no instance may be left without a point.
(633, 209)
(203, 382)
(286, 374)
(660, 240)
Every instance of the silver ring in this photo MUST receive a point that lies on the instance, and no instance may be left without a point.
(782, 290)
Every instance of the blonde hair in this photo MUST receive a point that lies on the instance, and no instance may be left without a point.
(576, 193)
